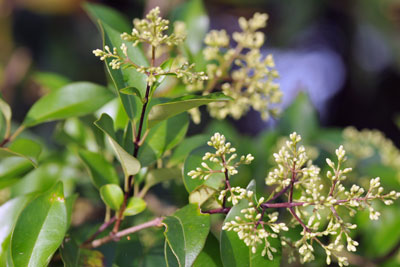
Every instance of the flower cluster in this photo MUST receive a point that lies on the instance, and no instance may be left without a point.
(295, 172)
(242, 72)
(363, 144)
(151, 31)
(227, 164)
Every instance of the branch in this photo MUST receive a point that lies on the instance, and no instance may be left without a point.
(157, 222)
(215, 211)
(102, 228)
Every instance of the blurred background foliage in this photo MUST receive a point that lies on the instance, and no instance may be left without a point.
(339, 65)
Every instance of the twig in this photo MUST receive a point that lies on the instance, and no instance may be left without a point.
(102, 228)
(216, 211)
(157, 222)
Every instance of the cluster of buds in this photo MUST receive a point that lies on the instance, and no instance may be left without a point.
(224, 156)
(251, 83)
(364, 144)
(151, 31)
(296, 172)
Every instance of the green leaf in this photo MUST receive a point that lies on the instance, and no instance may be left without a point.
(11, 169)
(6, 111)
(39, 180)
(40, 229)
(9, 213)
(70, 202)
(181, 104)
(163, 137)
(112, 196)
(50, 80)
(101, 171)
(69, 252)
(130, 164)
(131, 91)
(75, 99)
(234, 251)
(209, 256)
(108, 15)
(186, 233)
(300, 117)
(194, 161)
(24, 148)
(156, 176)
(186, 146)
(135, 206)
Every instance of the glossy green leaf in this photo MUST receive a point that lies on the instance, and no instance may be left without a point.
(194, 161)
(111, 28)
(170, 258)
(13, 168)
(131, 91)
(209, 256)
(130, 164)
(300, 117)
(50, 80)
(156, 176)
(163, 137)
(235, 253)
(135, 206)
(75, 99)
(39, 180)
(69, 252)
(6, 111)
(112, 196)
(40, 229)
(186, 233)
(9, 213)
(186, 146)
(24, 148)
(101, 171)
(178, 105)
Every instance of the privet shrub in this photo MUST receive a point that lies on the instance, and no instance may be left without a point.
(306, 212)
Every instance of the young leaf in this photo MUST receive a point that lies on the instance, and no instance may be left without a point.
(40, 229)
(135, 206)
(75, 99)
(178, 105)
(6, 111)
(234, 251)
(193, 161)
(130, 164)
(101, 171)
(112, 196)
(24, 148)
(186, 232)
